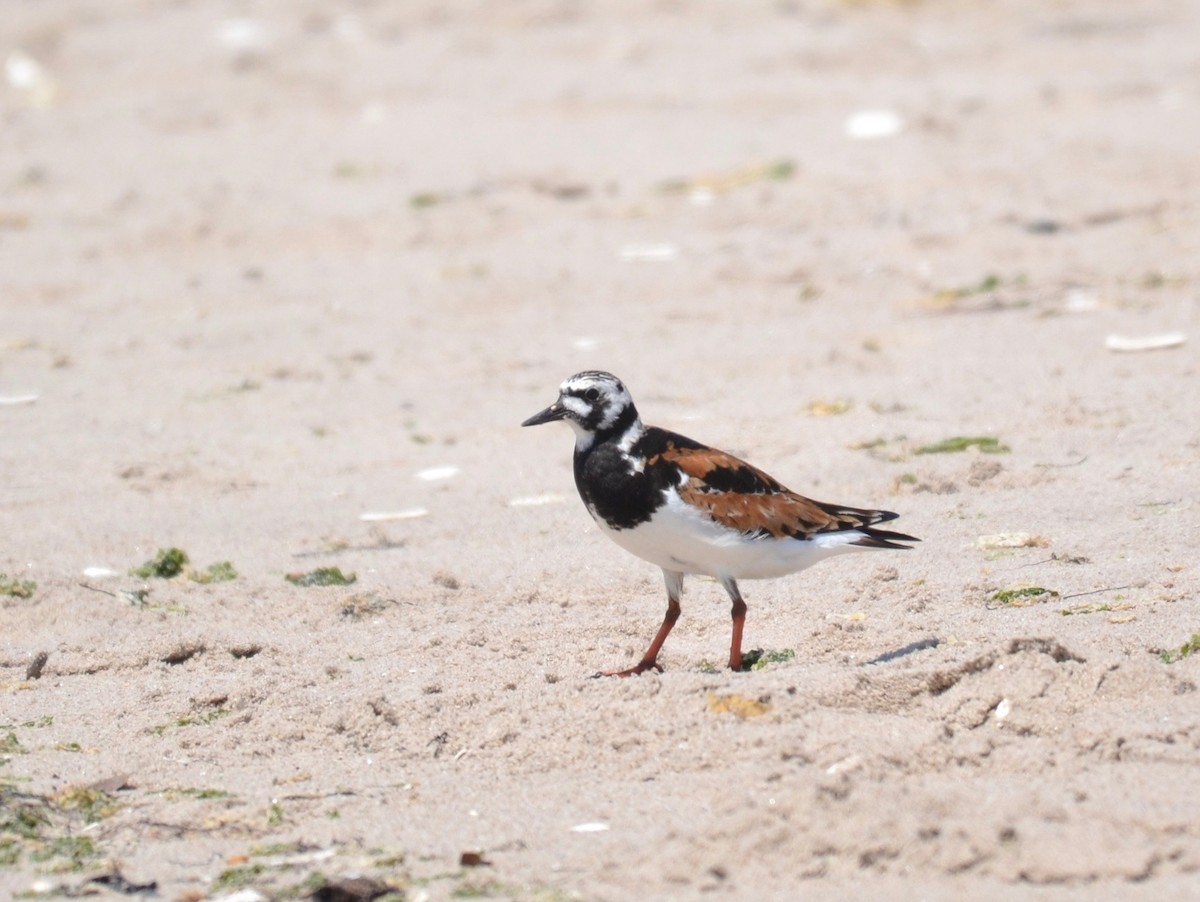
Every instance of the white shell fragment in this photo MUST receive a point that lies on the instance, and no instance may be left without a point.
(867, 124)
(1144, 342)
(14, 400)
(590, 827)
(411, 513)
(247, 894)
(27, 76)
(433, 474)
(535, 500)
(23, 71)
(244, 38)
(649, 253)
(98, 572)
(849, 763)
(1003, 709)
(1079, 300)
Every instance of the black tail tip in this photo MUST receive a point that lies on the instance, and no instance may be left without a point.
(885, 538)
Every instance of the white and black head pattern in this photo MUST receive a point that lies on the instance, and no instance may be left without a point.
(595, 404)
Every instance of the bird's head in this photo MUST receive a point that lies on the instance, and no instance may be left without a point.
(593, 403)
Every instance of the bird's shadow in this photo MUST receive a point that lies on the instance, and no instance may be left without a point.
(909, 649)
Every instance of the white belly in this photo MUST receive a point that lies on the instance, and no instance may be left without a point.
(681, 538)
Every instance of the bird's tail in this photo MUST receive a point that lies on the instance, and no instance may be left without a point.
(861, 521)
(884, 538)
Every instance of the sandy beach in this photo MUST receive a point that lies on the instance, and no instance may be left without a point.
(278, 284)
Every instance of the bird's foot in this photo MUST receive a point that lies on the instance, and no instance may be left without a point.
(640, 667)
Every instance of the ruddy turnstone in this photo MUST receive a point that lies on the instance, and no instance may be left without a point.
(693, 509)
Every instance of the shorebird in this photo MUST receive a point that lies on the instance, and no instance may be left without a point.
(691, 509)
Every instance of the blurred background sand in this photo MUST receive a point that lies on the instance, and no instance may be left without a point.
(279, 280)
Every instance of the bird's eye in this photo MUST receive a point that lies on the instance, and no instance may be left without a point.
(592, 394)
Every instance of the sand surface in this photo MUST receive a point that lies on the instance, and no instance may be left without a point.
(269, 267)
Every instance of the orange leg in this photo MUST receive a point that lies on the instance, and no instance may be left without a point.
(739, 621)
(650, 658)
